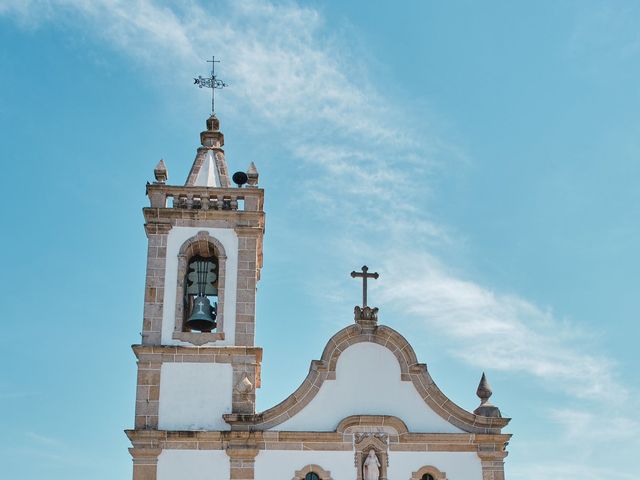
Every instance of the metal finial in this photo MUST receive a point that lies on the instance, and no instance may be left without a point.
(211, 82)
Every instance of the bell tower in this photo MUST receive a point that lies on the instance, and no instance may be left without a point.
(197, 360)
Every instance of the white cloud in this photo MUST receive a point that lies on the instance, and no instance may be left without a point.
(288, 71)
(496, 330)
(592, 427)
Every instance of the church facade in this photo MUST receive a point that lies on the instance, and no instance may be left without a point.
(367, 410)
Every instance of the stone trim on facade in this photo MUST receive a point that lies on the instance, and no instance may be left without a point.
(147, 394)
(154, 284)
(362, 421)
(242, 448)
(206, 245)
(433, 471)
(411, 370)
(490, 448)
(312, 468)
(145, 463)
(242, 461)
(492, 460)
(249, 265)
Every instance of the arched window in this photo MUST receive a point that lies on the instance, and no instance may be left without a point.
(200, 293)
(429, 472)
(312, 472)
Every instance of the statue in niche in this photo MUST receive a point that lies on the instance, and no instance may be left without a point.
(371, 467)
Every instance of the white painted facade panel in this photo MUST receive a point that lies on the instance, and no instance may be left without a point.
(457, 465)
(279, 464)
(367, 383)
(175, 239)
(193, 465)
(194, 396)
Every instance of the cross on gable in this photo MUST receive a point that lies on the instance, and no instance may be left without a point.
(364, 275)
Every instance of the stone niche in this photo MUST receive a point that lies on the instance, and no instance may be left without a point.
(363, 444)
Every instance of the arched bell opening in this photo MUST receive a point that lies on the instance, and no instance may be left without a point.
(200, 288)
(200, 301)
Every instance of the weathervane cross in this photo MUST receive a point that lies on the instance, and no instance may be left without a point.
(211, 82)
(364, 275)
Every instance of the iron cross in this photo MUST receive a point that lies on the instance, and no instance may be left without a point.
(210, 82)
(364, 275)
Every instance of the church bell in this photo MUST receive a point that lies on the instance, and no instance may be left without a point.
(203, 315)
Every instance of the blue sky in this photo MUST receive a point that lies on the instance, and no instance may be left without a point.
(482, 156)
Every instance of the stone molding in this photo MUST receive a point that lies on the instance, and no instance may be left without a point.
(206, 245)
(154, 283)
(145, 463)
(312, 468)
(354, 421)
(492, 460)
(209, 354)
(242, 460)
(319, 441)
(428, 469)
(411, 370)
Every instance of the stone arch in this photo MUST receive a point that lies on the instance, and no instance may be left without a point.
(411, 371)
(372, 421)
(200, 244)
(431, 470)
(312, 468)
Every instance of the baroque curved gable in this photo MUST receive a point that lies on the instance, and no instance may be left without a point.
(449, 417)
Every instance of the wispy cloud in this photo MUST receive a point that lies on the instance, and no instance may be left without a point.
(499, 331)
(288, 71)
(592, 427)
(44, 439)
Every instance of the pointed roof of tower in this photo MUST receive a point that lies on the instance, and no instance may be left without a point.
(209, 168)
(208, 175)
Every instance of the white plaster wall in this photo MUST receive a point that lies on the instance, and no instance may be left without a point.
(457, 465)
(176, 238)
(194, 396)
(193, 465)
(279, 464)
(367, 383)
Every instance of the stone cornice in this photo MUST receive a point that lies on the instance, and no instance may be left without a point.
(248, 219)
(223, 354)
(487, 446)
